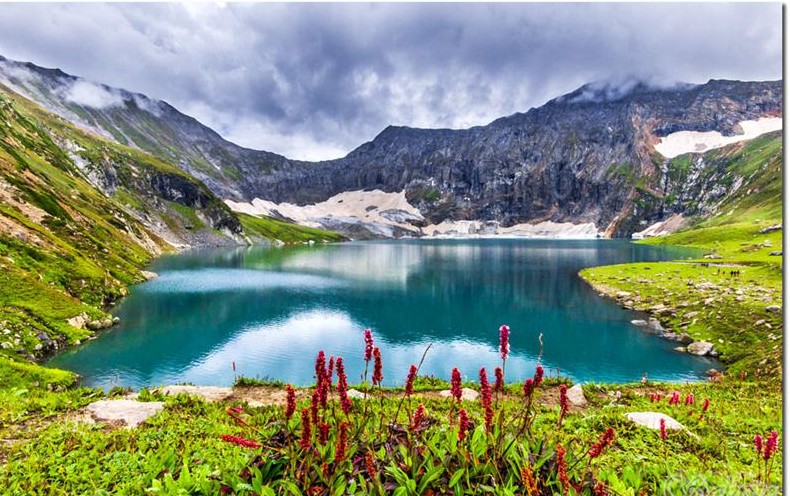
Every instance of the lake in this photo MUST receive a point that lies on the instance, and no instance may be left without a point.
(270, 310)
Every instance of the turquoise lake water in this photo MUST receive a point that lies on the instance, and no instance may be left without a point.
(270, 310)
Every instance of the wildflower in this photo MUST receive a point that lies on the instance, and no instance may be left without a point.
(323, 433)
(529, 387)
(562, 469)
(370, 464)
(368, 345)
(315, 399)
(378, 374)
(658, 396)
(770, 445)
(529, 481)
(320, 367)
(416, 420)
(499, 383)
(290, 401)
(600, 489)
(663, 428)
(758, 444)
(463, 425)
(606, 440)
(538, 376)
(689, 399)
(304, 443)
(330, 369)
(409, 389)
(247, 443)
(485, 387)
(237, 409)
(563, 400)
(652, 397)
(323, 391)
(489, 418)
(674, 399)
(504, 344)
(342, 386)
(705, 405)
(455, 385)
(342, 442)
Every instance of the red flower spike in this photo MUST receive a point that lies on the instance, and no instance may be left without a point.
(485, 388)
(368, 345)
(455, 385)
(330, 369)
(416, 420)
(689, 399)
(320, 367)
(315, 400)
(758, 444)
(562, 469)
(674, 399)
(538, 376)
(504, 342)
(529, 481)
(323, 433)
(529, 387)
(499, 382)
(600, 489)
(705, 405)
(378, 373)
(409, 389)
(770, 445)
(305, 442)
(290, 401)
(605, 440)
(342, 386)
(663, 429)
(342, 442)
(463, 425)
(247, 443)
(370, 464)
(563, 400)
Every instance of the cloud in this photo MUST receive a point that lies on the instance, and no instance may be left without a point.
(316, 80)
(92, 95)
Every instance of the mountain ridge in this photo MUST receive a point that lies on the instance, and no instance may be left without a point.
(553, 162)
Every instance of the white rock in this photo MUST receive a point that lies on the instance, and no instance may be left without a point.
(639, 322)
(209, 393)
(576, 395)
(466, 394)
(699, 348)
(132, 413)
(652, 420)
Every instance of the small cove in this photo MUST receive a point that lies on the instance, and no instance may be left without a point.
(270, 310)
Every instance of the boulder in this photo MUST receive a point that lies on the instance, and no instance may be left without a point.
(639, 322)
(685, 338)
(769, 229)
(652, 420)
(149, 275)
(576, 395)
(655, 326)
(466, 394)
(700, 348)
(773, 309)
(131, 413)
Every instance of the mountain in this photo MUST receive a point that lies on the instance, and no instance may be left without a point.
(585, 157)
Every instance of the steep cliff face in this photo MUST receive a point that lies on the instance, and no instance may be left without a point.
(587, 156)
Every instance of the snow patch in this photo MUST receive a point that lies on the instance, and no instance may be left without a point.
(682, 142)
(662, 228)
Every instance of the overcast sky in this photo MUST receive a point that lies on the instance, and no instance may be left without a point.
(313, 81)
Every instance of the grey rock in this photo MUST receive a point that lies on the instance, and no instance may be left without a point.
(699, 348)
(775, 253)
(131, 413)
(466, 394)
(769, 229)
(639, 322)
(576, 395)
(773, 309)
(652, 420)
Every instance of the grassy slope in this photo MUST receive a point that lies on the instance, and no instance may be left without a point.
(275, 229)
(733, 313)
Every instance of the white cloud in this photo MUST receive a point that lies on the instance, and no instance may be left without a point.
(92, 95)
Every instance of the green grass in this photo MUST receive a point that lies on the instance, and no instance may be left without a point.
(275, 229)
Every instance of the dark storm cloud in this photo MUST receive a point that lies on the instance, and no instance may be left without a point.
(316, 80)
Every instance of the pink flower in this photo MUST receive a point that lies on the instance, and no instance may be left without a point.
(758, 444)
(463, 424)
(499, 382)
(563, 400)
(674, 399)
(705, 405)
(330, 369)
(342, 386)
(538, 376)
(504, 342)
(485, 388)
(368, 345)
(529, 387)
(247, 443)
(770, 445)
(409, 389)
(378, 374)
(290, 401)
(320, 367)
(689, 399)
(663, 429)
(416, 420)
(455, 385)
